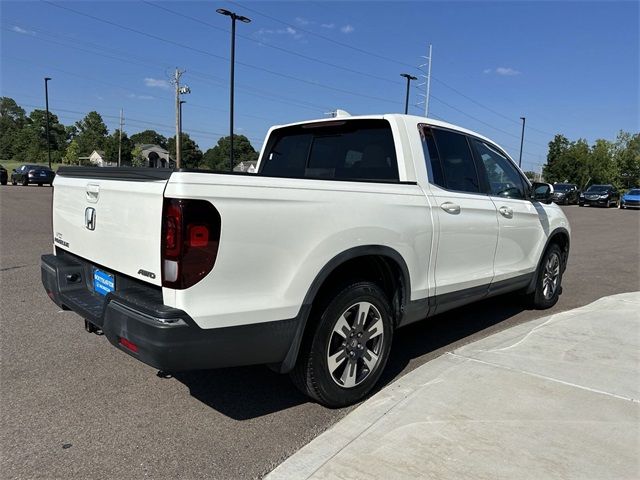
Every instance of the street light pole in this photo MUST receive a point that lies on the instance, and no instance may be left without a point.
(243, 19)
(46, 100)
(521, 140)
(406, 100)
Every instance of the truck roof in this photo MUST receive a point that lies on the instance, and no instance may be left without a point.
(416, 119)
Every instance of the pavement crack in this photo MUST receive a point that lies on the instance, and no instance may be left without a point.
(544, 377)
(5, 269)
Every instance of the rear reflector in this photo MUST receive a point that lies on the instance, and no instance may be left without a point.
(128, 345)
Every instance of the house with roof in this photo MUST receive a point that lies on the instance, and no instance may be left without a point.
(156, 157)
(96, 159)
(247, 166)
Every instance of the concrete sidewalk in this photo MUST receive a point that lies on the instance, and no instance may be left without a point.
(558, 397)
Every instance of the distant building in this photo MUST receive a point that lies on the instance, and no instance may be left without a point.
(249, 167)
(97, 159)
(156, 157)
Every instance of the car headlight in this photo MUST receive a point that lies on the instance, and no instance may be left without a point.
(582, 195)
(604, 196)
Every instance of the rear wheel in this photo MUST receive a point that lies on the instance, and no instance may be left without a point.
(342, 358)
(549, 279)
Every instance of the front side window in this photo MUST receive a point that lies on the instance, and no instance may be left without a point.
(341, 150)
(458, 168)
(504, 179)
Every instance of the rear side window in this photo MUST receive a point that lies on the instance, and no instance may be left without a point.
(340, 150)
(456, 162)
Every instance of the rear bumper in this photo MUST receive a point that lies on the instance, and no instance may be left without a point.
(164, 337)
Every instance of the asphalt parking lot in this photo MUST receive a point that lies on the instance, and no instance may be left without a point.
(72, 406)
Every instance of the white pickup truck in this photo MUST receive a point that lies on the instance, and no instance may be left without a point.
(351, 228)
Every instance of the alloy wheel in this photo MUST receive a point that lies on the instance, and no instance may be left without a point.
(355, 344)
(551, 276)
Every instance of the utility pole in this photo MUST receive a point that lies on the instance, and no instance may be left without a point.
(120, 138)
(46, 100)
(176, 80)
(521, 140)
(180, 90)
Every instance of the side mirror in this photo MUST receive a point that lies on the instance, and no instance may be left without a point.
(542, 192)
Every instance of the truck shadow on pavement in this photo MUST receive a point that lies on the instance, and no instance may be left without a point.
(243, 393)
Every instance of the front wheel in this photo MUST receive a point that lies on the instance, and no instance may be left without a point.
(345, 353)
(549, 279)
(25, 182)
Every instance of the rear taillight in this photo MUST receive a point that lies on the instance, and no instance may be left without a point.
(190, 236)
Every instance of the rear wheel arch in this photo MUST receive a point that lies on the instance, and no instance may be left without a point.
(560, 237)
(378, 264)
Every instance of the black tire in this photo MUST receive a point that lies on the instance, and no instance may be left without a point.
(542, 298)
(312, 374)
(25, 182)
(581, 204)
(39, 184)
(13, 181)
(4, 182)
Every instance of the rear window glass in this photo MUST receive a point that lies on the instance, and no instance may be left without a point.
(340, 150)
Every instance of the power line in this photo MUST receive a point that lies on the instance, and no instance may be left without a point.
(275, 47)
(206, 78)
(220, 57)
(328, 39)
(372, 54)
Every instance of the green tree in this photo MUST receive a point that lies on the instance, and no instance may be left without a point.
(12, 120)
(627, 158)
(111, 148)
(190, 152)
(602, 167)
(137, 159)
(531, 175)
(92, 133)
(150, 137)
(567, 161)
(217, 158)
(71, 156)
(30, 142)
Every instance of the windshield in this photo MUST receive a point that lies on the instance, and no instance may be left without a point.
(562, 187)
(635, 191)
(598, 188)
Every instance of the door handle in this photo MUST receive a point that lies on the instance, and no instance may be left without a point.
(506, 212)
(452, 208)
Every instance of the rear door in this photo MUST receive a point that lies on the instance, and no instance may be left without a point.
(111, 217)
(521, 222)
(466, 219)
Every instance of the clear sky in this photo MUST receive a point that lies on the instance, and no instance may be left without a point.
(568, 67)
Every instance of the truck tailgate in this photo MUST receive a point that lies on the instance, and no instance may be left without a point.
(111, 217)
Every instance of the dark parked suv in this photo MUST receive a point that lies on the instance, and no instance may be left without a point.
(27, 174)
(565, 193)
(600, 196)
